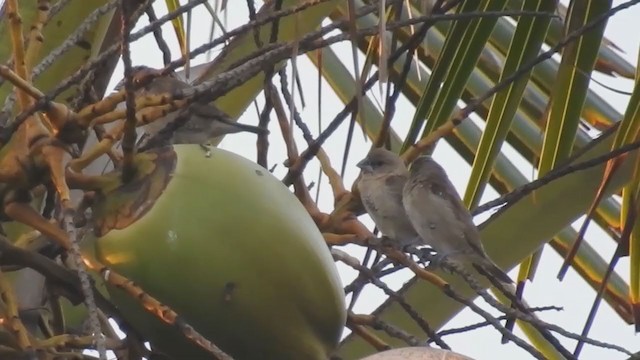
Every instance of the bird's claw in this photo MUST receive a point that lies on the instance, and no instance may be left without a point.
(435, 262)
(207, 149)
(424, 254)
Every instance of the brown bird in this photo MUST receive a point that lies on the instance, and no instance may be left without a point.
(383, 176)
(205, 121)
(437, 213)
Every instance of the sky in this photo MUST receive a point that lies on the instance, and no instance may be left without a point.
(573, 293)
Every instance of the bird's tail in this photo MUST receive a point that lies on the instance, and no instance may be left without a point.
(248, 128)
(495, 271)
(231, 126)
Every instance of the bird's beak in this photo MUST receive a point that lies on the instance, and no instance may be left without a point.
(364, 165)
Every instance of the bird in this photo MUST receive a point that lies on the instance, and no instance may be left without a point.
(382, 178)
(383, 175)
(205, 121)
(434, 208)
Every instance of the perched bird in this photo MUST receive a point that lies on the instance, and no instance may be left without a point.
(383, 176)
(437, 213)
(205, 120)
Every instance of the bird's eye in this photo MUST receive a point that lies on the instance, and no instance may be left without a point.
(375, 163)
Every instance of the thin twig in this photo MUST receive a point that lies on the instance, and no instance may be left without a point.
(533, 320)
(335, 180)
(377, 324)
(85, 284)
(65, 84)
(157, 34)
(276, 53)
(349, 260)
(464, 329)
(130, 135)
(514, 196)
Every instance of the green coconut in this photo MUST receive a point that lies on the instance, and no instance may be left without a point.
(228, 247)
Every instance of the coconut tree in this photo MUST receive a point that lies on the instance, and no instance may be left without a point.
(204, 253)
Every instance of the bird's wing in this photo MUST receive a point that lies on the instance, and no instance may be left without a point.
(434, 211)
(444, 189)
(211, 113)
(394, 185)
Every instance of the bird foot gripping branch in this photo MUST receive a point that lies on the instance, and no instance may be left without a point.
(424, 254)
